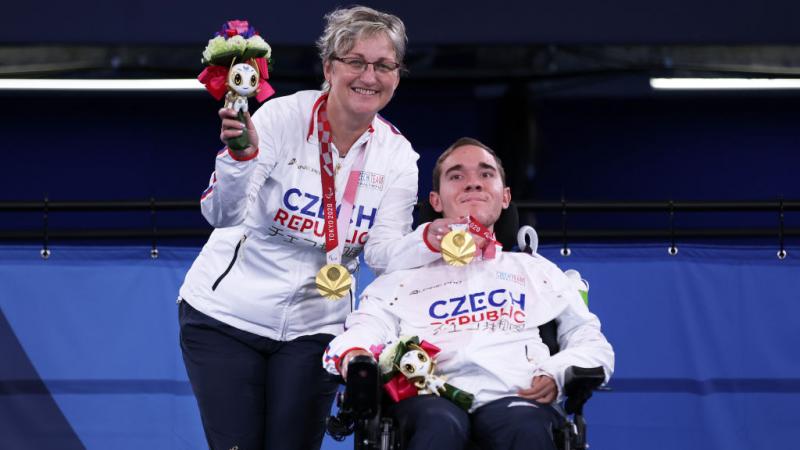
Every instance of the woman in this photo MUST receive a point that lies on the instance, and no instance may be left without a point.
(254, 324)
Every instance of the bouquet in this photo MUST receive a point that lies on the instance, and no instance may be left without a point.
(407, 369)
(237, 64)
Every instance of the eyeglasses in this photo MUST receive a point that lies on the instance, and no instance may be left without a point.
(358, 65)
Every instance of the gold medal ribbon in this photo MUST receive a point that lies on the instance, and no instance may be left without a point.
(334, 280)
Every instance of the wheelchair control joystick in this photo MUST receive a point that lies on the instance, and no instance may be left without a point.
(359, 401)
(363, 386)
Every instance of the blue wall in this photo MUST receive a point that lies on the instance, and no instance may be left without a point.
(705, 345)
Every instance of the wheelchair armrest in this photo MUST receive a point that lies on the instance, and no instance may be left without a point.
(579, 382)
(362, 388)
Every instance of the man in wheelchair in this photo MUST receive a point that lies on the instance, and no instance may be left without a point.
(475, 325)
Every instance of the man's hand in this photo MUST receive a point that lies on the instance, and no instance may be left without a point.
(350, 355)
(543, 390)
(232, 128)
(438, 229)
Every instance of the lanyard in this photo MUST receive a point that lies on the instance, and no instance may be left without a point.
(478, 229)
(332, 226)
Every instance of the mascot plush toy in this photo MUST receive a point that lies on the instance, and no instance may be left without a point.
(408, 368)
(242, 83)
(237, 63)
(417, 366)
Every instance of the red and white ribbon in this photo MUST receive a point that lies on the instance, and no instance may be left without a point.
(327, 174)
(478, 229)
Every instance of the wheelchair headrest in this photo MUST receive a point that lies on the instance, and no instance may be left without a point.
(505, 229)
(527, 240)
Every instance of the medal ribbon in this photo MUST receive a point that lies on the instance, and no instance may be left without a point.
(327, 175)
(478, 229)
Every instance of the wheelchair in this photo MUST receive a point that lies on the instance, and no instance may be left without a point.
(361, 404)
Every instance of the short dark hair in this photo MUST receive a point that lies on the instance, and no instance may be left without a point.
(461, 142)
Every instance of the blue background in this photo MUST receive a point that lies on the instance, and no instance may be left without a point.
(705, 347)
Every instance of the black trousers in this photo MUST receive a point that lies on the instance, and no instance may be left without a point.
(254, 392)
(510, 423)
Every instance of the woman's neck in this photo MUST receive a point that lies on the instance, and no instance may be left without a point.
(345, 129)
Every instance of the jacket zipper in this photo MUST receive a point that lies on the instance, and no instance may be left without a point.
(230, 266)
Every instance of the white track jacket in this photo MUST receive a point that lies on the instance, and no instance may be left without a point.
(256, 272)
(484, 317)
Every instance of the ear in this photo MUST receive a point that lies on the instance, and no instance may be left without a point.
(436, 201)
(327, 68)
(506, 197)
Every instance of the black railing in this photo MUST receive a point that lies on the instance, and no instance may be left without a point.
(663, 206)
(102, 206)
(778, 207)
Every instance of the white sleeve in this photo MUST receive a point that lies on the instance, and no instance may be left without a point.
(413, 252)
(235, 182)
(373, 323)
(391, 246)
(581, 343)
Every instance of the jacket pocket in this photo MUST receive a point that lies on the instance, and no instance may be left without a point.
(230, 265)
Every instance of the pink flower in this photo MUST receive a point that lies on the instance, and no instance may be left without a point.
(237, 28)
(377, 350)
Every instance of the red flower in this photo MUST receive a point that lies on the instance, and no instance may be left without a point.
(237, 27)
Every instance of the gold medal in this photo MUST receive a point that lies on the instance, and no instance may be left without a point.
(333, 281)
(458, 248)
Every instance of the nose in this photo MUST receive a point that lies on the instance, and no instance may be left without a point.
(473, 183)
(369, 75)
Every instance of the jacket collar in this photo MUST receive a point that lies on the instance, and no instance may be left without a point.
(311, 136)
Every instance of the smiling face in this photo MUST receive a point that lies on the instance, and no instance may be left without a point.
(361, 94)
(471, 184)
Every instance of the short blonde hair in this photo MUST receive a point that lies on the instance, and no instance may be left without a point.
(344, 26)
